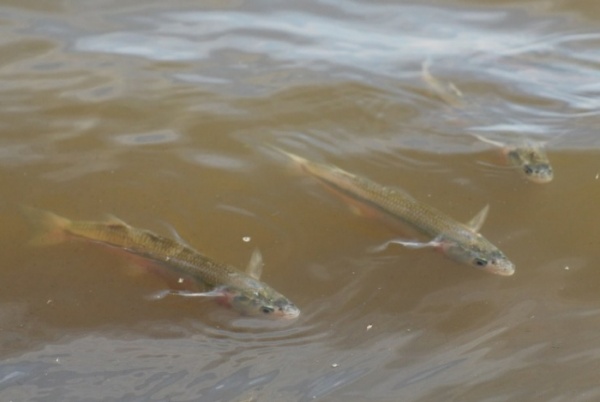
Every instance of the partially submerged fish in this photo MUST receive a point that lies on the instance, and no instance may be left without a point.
(461, 242)
(528, 156)
(243, 291)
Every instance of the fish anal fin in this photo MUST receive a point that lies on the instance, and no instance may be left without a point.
(255, 265)
(478, 220)
(136, 266)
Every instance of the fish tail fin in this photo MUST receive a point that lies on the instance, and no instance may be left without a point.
(49, 228)
(301, 165)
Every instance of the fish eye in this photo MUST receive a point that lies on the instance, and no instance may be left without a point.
(267, 310)
(480, 262)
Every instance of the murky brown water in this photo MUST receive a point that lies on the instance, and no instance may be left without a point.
(161, 113)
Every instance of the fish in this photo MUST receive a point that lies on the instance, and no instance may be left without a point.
(230, 286)
(459, 241)
(448, 93)
(528, 156)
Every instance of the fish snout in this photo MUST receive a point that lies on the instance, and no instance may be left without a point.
(501, 267)
(287, 311)
(541, 173)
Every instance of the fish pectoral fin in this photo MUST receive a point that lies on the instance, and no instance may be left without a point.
(255, 265)
(477, 221)
(161, 294)
(407, 243)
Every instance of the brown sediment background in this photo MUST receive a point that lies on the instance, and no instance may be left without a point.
(163, 114)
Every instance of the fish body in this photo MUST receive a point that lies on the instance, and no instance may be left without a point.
(528, 156)
(243, 291)
(461, 242)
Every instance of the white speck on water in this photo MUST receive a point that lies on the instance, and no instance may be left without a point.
(369, 327)
(597, 176)
(49, 301)
(567, 268)
(57, 360)
(246, 239)
(334, 365)
(180, 280)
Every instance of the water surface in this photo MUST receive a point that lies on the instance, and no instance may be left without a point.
(161, 114)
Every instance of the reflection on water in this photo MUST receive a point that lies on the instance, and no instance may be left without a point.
(162, 114)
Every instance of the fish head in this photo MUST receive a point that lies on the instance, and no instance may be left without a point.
(480, 254)
(538, 172)
(532, 159)
(257, 299)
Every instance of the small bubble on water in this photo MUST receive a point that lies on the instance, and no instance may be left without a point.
(246, 239)
(334, 365)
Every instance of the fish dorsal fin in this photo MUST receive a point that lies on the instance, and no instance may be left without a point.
(255, 265)
(477, 222)
(113, 220)
(175, 234)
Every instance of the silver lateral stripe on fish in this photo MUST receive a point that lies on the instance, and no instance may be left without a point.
(243, 291)
(459, 241)
(528, 156)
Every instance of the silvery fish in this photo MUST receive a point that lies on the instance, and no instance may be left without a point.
(528, 156)
(459, 241)
(242, 291)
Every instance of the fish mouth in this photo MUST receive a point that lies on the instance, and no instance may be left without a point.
(540, 173)
(289, 312)
(502, 268)
(541, 178)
